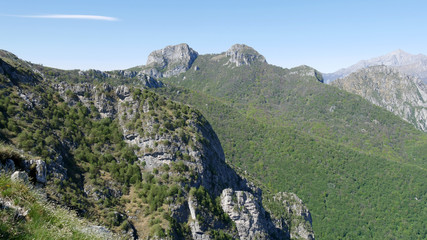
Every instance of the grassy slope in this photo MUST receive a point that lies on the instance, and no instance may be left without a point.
(359, 168)
(44, 220)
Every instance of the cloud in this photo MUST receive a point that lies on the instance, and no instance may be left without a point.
(64, 16)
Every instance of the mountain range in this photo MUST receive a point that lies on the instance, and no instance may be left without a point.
(287, 122)
(213, 146)
(410, 64)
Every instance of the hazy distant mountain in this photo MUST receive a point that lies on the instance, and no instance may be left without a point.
(414, 65)
(405, 96)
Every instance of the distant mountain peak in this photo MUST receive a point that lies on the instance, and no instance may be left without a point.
(399, 52)
(241, 54)
(170, 61)
(410, 64)
(171, 54)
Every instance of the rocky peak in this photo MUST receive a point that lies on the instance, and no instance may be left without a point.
(170, 61)
(395, 58)
(241, 54)
(399, 52)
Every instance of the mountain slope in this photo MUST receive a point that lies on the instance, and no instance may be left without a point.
(383, 86)
(348, 153)
(333, 180)
(26, 214)
(413, 65)
(134, 161)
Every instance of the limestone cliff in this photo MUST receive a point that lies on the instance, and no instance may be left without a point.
(170, 61)
(241, 54)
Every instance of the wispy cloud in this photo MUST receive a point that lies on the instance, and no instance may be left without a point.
(65, 16)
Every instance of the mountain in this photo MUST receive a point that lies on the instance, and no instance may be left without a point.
(131, 162)
(404, 95)
(241, 54)
(169, 61)
(413, 65)
(259, 133)
(352, 158)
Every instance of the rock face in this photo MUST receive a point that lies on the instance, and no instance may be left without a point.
(241, 54)
(196, 230)
(37, 170)
(207, 160)
(249, 216)
(170, 61)
(409, 64)
(34, 170)
(404, 95)
(145, 79)
(305, 70)
(301, 222)
(15, 76)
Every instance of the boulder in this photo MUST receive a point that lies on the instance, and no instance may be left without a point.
(20, 176)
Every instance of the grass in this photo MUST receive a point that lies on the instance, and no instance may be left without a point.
(44, 220)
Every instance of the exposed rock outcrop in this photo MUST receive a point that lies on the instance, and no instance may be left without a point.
(17, 76)
(37, 170)
(170, 61)
(241, 54)
(20, 213)
(386, 87)
(206, 158)
(300, 218)
(19, 176)
(196, 230)
(25, 170)
(146, 79)
(251, 220)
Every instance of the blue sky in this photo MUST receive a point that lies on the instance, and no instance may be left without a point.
(326, 35)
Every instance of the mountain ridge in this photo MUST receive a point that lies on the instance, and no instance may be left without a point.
(404, 95)
(292, 121)
(118, 147)
(411, 64)
(349, 160)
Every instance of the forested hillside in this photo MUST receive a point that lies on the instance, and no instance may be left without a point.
(361, 169)
(134, 163)
(124, 142)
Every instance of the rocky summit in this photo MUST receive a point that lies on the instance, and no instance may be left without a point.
(241, 54)
(170, 61)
